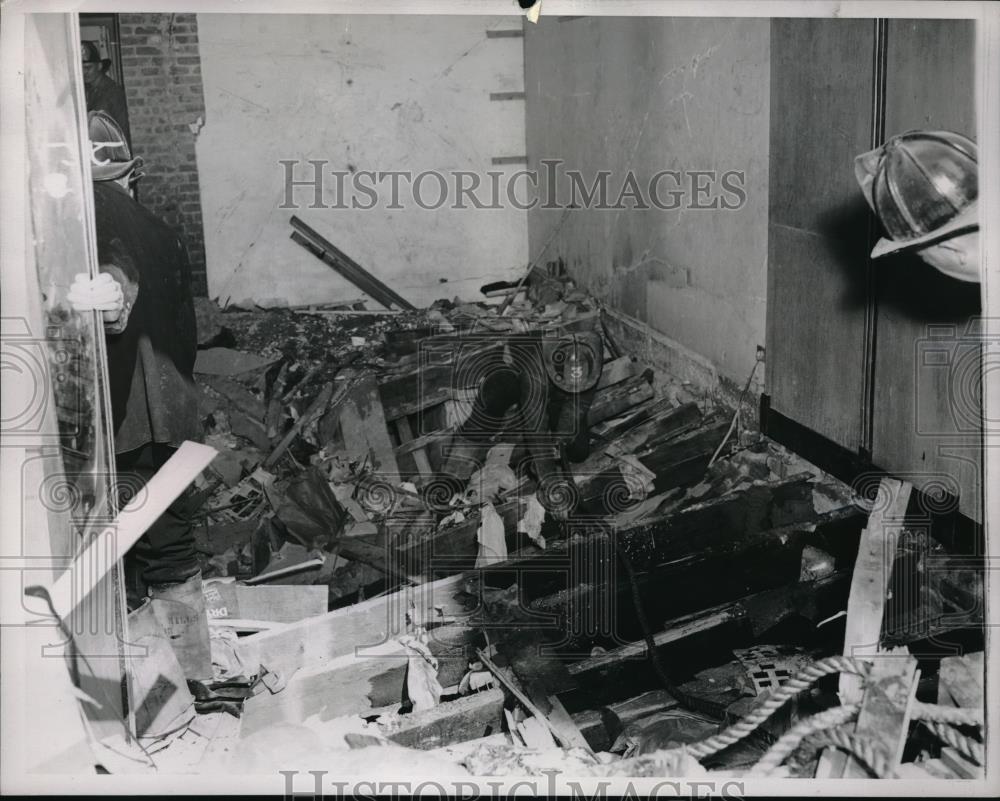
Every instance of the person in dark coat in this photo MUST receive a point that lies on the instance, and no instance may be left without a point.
(144, 293)
(102, 92)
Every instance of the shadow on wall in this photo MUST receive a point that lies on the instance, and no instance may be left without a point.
(905, 284)
(846, 228)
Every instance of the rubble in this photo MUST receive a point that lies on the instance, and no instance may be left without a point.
(367, 492)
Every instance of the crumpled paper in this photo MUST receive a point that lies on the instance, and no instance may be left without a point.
(422, 685)
(491, 537)
(531, 522)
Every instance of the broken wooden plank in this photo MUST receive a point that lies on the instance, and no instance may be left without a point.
(381, 557)
(872, 573)
(960, 680)
(346, 266)
(561, 725)
(275, 409)
(311, 415)
(658, 421)
(567, 730)
(368, 623)
(450, 722)
(617, 399)
(278, 604)
(423, 441)
(417, 390)
(684, 459)
(760, 611)
(419, 454)
(281, 572)
(676, 630)
(363, 679)
(363, 428)
(591, 723)
(884, 718)
(616, 371)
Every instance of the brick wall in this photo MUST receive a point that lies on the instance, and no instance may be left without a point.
(162, 75)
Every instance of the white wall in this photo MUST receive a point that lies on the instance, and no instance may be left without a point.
(374, 93)
(647, 95)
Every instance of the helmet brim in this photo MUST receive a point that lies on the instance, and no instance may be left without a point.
(966, 220)
(114, 170)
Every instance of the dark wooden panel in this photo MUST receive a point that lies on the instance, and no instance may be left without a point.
(821, 76)
(816, 335)
(821, 90)
(927, 401)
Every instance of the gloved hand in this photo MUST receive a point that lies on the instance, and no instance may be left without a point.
(103, 294)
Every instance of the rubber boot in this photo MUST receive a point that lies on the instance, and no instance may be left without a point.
(180, 609)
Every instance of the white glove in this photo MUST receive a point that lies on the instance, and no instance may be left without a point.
(103, 294)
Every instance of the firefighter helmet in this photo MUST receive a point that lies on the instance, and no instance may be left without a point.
(922, 186)
(110, 157)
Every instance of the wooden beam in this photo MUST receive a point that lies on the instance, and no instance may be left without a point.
(619, 398)
(561, 725)
(363, 679)
(616, 371)
(421, 442)
(884, 719)
(768, 607)
(369, 623)
(313, 413)
(419, 454)
(307, 237)
(590, 722)
(960, 680)
(872, 573)
(363, 426)
(468, 718)
(683, 460)
(654, 421)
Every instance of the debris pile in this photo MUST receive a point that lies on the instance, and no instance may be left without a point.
(488, 534)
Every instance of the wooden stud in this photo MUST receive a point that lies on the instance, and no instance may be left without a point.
(419, 454)
(872, 573)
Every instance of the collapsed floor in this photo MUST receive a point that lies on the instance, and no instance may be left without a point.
(377, 578)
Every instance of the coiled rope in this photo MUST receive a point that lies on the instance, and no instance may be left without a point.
(802, 680)
(860, 747)
(828, 727)
(788, 742)
(964, 745)
(952, 715)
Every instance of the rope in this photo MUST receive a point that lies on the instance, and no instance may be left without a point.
(827, 727)
(935, 717)
(952, 715)
(777, 753)
(860, 747)
(802, 680)
(964, 745)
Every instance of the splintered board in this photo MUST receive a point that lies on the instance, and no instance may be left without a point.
(71, 436)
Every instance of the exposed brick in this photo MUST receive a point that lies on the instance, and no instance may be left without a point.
(163, 86)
